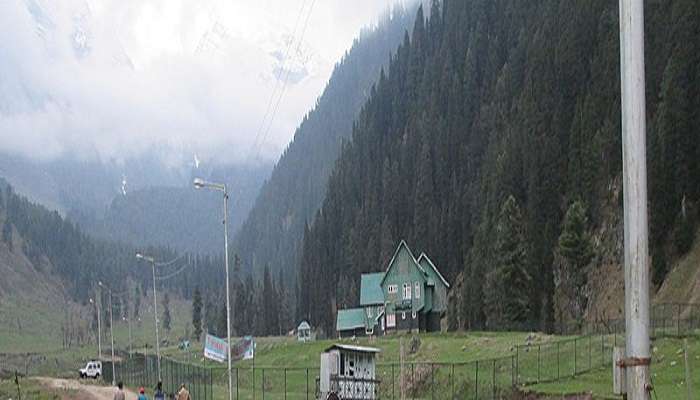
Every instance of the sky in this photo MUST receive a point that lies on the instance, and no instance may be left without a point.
(116, 79)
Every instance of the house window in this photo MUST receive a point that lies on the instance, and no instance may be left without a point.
(414, 315)
(391, 320)
(393, 289)
(407, 291)
(403, 315)
(369, 312)
(417, 290)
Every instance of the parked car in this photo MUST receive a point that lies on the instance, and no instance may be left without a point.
(93, 369)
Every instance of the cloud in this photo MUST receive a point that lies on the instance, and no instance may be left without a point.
(111, 80)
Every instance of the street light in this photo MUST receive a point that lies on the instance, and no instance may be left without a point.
(202, 184)
(128, 320)
(99, 333)
(111, 329)
(155, 306)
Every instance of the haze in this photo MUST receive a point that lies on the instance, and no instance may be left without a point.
(111, 80)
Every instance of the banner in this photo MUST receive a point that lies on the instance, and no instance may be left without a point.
(244, 349)
(215, 348)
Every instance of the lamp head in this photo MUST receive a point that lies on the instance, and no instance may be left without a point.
(198, 183)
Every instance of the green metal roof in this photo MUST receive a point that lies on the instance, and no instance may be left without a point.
(371, 289)
(351, 318)
(431, 270)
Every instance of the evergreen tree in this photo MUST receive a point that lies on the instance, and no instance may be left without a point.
(511, 272)
(197, 313)
(166, 312)
(7, 234)
(576, 251)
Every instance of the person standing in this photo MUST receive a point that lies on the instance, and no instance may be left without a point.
(142, 394)
(119, 393)
(183, 393)
(158, 394)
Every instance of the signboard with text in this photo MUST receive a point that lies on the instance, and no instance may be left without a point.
(215, 348)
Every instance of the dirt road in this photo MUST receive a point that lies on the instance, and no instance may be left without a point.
(82, 391)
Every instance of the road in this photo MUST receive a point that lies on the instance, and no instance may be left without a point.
(85, 391)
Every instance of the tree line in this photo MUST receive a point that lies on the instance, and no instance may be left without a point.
(492, 142)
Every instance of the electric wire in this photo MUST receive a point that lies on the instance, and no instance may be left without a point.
(284, 83)
(273, 94)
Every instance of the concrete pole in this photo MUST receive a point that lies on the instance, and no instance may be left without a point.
(111, 335)
(155, 318)
(99, 329)
(228, 297)
(635, 198)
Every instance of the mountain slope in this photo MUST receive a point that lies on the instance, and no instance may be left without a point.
(273, 231)
(493, 119)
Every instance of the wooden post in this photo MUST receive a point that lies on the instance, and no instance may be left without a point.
(402, 383)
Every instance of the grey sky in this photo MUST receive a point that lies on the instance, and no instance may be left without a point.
(113, 79)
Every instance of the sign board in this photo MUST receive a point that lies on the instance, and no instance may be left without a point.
(215, 348)
(244, 349)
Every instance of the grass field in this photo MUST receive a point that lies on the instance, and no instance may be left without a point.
(668, 374)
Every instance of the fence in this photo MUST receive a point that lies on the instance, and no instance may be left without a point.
(142, 370)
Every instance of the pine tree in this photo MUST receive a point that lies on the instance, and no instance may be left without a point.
(511, 250)
(576, 250)
(7, 234)
(197, 313)
(166, 312)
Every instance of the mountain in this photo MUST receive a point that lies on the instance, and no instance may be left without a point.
(493, 144)
(180, 217)
(272, 232)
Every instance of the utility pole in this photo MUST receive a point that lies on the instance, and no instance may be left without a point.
(634, 170)
(155, 308)
(99, 330)
(111, 329)
(201, 184)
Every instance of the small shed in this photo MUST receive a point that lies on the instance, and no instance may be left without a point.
(348, 372)
(304, 332)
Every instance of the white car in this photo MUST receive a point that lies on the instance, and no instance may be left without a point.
(93, 369)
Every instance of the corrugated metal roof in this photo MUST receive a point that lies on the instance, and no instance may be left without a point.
(303, 325)
(349, 347)
(371, 289)
(351, 318)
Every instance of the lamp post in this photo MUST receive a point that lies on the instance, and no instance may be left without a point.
(111, 329)
(128, 321)
(202, 184)
(155, 306)
(99, 331)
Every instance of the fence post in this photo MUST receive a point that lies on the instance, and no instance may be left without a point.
(678, 319)
(590, 350)
(476, 381)
(575, 351)
(432, 381)
(517, 364)
(285, 383)
(539, 349)
(453, 380)
(557, 360)
(392, 381)
(413, 381)
(493, 379)
(307, 384)
(263, 384)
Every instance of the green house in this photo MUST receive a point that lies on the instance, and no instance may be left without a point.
(410, 295)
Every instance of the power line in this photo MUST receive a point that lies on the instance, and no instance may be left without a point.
(286, 78)
(256, 146)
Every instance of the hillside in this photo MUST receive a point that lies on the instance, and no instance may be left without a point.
(180, 217)
(493, 144)
(272, 232)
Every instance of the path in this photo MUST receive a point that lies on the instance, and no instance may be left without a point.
(86, 390)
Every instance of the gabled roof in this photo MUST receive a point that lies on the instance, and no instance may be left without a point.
(427, 264)
(371, 289)
(351, 318)
(348, 347)
(402, 245)
(303, 325)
